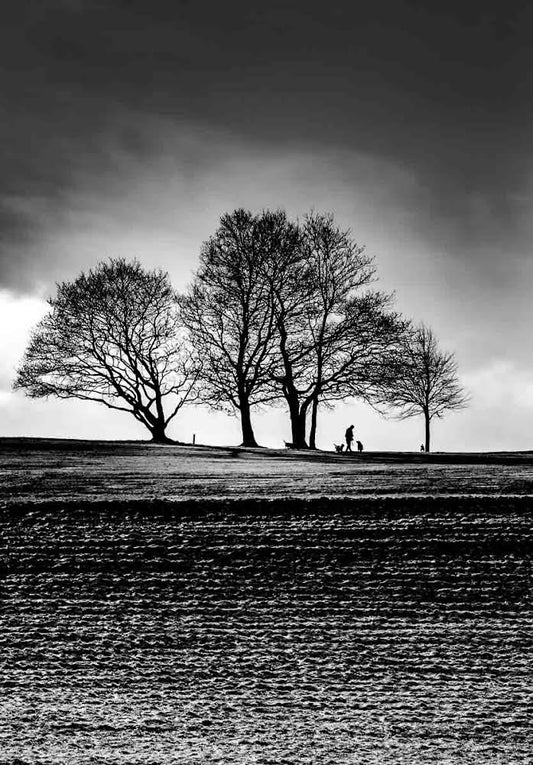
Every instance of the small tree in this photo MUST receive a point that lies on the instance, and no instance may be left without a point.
(424, 381)
(112, 336)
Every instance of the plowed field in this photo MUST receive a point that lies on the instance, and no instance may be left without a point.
(365, 629)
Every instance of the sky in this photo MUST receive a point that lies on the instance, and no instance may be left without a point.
(128, 128)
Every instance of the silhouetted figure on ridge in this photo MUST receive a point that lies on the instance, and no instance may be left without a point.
(422, 448)
(349, 438)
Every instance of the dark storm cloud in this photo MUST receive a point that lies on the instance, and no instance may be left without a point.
(441, 91)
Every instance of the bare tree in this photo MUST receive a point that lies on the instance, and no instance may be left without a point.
(357, 352)
(351, 327)
(333, 332)
(424, 382)
(228, 313)
(112, 336)
(339, 267)
(292, 292)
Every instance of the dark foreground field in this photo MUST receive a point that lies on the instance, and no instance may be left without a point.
(306, 630)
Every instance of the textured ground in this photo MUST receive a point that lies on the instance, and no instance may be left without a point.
(368, 630)
(72, 471)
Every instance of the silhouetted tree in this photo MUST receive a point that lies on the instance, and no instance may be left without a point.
(333, 337)
(112, 336)
(292, 291)
(339, 266)
(352, 332)
(357, 352)
(424, 381)
(228, 313)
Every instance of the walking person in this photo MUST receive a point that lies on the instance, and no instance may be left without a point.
(349, 438)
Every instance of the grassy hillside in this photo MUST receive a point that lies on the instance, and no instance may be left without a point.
(38, 470)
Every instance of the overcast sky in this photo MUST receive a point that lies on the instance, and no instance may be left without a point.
(128, 127)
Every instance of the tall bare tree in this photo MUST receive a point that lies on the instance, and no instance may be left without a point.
(228, 313)
(112, 336)
(351, 327)
(292, 291)
(424, 382)
(333, 331)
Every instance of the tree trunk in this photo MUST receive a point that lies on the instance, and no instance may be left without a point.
(155, 422)
(312, 432)
(248, 437)
(298, 418)
(291, 395)
(427, 433)
(158, 434)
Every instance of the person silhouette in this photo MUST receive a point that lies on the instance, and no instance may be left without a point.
(422, 448)
(349, 438)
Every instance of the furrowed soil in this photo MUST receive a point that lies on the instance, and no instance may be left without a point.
(254, 607)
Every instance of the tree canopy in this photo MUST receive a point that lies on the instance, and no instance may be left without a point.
(333, 331)
(278, 310)
(228, 313)
(424, 381)
(112, 336)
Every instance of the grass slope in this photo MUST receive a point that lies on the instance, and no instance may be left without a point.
(36, 470)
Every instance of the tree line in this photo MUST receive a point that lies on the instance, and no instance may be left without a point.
(278, 311)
